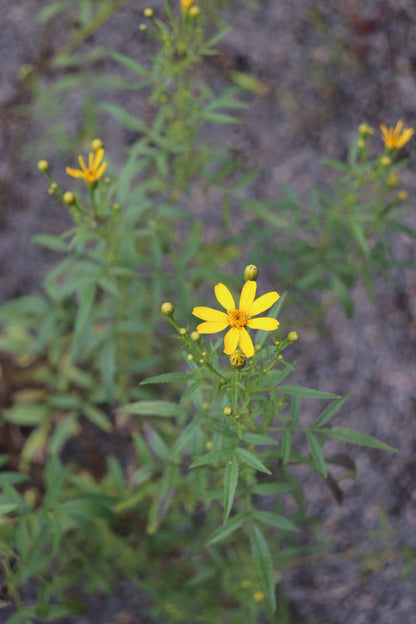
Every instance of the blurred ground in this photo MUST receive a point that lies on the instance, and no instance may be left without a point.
(326, 67)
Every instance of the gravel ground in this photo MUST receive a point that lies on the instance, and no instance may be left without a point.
(326, 66)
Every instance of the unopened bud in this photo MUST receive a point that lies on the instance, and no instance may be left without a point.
(402, 195)
(189, 357)
(365, 130)
(43, 166)
(194, 11)
(393, 179)
(195, 336)
(142, 27)
(182, 331)
(209, 445)
(227, 411)
(259, 596)
(97, 144)
(237, 359)
(69, 198)
(293, 336)
(361, 143)
(251, 272)
(148, 12)
(385, 161)
(167, 308)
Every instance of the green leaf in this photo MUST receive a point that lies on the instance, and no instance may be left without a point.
(251, 460)
(356, 437)
(316, 453)
(230, 484)
(211, 457)
(280, 522)
(6, 508)
(86, 296)
(128, 62)
(167, 378)
(125, 118)
(184, 437)
(271, 489)
(26, 415)
(152, 408)
(306, 392)
(295, 409)
(226, 529)
(286, 445)
(263, 559)
(97, 417)
(51, 242)
(258, 438)
(330, 411)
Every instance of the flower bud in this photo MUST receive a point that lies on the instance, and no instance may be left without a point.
(361, 143)
(227, 411)
(237, 359)
(251, 273)
(402, 195)
(393, 179)
(189, 357)
(365, 130)
(182, 331)
(259, 596)
(186, 4)
(52, 188)
(195, 336)
(96, 144)
(167, 308)
(385, 161)
(142, 27)
(148, 13)
(43, 166)
(194, 11)
(293, 336)
(209, 445)
(69, 198)
(116, 207)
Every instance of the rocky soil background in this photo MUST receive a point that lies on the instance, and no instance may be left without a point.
(326, 66)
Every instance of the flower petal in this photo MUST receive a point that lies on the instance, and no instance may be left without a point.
(246, 343)
(82, 163)
(98, 158)
(247, 294)
(268, 324)
(224, 297)
(90, 160)
(263, 303)
(399, 127)
(75, 173)
(101, 170)
(209, 314)
(211, 327)
(231, 340)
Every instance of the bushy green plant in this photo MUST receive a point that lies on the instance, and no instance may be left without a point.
(199, 481)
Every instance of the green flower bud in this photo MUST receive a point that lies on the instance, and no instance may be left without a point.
(97, 144)
(148, 12)
(227, 411)
(182, 331)
(238, 359)
(293, 336)
(195, 336)
(251, 272)
(167, 308)
(69, 198)
(43, 166)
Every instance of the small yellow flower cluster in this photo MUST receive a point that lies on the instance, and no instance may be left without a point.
(95, 169)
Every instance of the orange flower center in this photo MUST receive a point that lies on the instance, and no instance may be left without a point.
(91, 175)
(237, 318)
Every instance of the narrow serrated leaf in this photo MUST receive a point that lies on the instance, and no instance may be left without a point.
(211, 457)
(152, 408)
(251, 460)
(356, 437)
(230, 484)
(167, 378)
(280, 522)
(226, 529)
(306, 392)
(330, 411)
(316, 453)
(263, 559)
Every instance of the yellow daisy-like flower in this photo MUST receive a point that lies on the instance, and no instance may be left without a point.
(186, 4)
(95, 168)
(237, 318)
(396, 137)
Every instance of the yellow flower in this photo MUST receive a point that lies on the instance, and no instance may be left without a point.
(237, 318)
(95, 169)
(396, 137)
(186, 4)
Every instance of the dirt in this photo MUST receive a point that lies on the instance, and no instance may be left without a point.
(325, 67)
